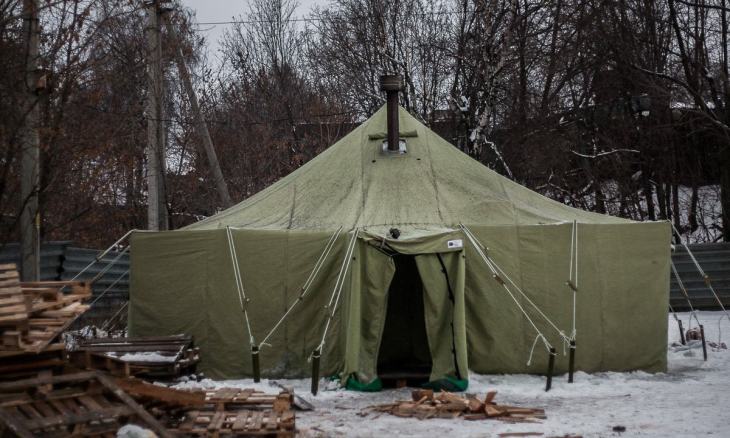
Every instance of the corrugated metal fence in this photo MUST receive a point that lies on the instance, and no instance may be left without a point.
(714, 258)
(51, 258)
(60, 261)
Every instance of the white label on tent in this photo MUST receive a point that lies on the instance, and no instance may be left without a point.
(454, 243)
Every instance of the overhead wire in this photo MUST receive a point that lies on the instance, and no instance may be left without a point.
(323, 19)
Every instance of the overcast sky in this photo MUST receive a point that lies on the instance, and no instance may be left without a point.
(211, 11)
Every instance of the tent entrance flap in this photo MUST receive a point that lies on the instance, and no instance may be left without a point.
(404, 353)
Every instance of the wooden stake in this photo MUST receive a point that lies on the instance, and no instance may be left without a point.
(704, 345)
(315, 371)
(256, 366)
(681, 331)
(571, 366)
(551, 365)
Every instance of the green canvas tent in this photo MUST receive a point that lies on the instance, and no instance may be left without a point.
(426, 300)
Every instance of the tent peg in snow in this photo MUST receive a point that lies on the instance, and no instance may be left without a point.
(315, 371)
(571, 362)
(551, 366)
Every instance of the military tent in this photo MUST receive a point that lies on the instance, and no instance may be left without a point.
(487, 297)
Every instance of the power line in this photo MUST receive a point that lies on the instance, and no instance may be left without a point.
(318, 19)
(218, 122)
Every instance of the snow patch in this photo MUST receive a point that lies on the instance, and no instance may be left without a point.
(687, 401)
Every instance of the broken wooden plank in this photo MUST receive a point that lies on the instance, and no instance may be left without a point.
(519, 434)
(169, 396)
(490, 397)
(157, 427)
(420, 393)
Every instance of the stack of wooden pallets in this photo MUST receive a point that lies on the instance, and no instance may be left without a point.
(82, 404)
(32, 317)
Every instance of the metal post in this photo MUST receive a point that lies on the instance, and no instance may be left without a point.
(30, 221)
(551, 365)
(681, 332)
(704, 344)
(315, 370)
(571, 364)
(256, 365)
(392, 84)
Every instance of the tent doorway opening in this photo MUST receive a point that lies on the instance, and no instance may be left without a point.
(404, 356)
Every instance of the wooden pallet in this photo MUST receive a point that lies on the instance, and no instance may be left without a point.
(168, 356)
(82, 404)
(231, 399)
(33, 315)
(240, 423)
(52, 359)
(14, 306)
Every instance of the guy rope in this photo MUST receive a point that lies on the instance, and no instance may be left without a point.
(497, 274)
(708, 283)
(101, 255)
(331, 308)
(308, 283)
(104, 270)
(244, 306)
(244, 301)
(689, 303)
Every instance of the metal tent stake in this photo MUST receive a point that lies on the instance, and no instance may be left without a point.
(571, 365)
(315, 371)
(681, 331)
(704, 345)
(551, 364)
(256, 366)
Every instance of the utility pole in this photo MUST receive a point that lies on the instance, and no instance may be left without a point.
(156, 206)
(30, 246)
(199, 120)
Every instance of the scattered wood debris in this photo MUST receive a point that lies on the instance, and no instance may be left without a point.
(447, 405)
(81, 404)
(226, 411)
(159, 357)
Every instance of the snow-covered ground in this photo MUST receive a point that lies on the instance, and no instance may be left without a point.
(690, 400)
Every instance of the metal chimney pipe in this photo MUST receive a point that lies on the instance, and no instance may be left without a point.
(392, 84)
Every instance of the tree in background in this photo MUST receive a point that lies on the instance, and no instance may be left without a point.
(613, 106)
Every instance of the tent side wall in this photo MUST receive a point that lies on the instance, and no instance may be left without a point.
(183, 282)
(623, 282)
